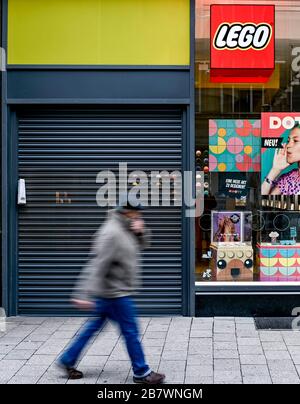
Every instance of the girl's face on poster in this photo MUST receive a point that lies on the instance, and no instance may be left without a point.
(293, 146)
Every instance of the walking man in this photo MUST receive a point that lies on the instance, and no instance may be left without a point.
(106, 286)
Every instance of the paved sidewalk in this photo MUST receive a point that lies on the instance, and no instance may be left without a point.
(189, 350)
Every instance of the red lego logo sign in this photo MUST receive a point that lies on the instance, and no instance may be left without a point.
(242, 47)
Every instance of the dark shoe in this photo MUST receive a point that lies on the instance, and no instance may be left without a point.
(151, 378)
(72, 373)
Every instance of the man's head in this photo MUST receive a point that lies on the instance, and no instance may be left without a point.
(128, 208)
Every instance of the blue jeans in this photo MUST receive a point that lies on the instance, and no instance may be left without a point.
(122, 311)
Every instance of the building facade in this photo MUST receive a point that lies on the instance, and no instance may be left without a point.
(92, 84)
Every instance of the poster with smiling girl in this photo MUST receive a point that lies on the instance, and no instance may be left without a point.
(280, 154)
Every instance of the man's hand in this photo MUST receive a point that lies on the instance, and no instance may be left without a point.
(83, 304)
(137, 226)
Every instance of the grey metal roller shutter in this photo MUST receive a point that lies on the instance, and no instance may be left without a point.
(60, 153)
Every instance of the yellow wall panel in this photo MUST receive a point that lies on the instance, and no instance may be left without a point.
(109, 32)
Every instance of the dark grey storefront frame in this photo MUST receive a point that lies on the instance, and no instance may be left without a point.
(142, 85)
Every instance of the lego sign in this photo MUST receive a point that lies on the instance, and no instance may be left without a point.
(242, 48)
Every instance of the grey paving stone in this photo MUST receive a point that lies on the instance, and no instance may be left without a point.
(257, 380)
(200, 342)
(52, 379)
(285, 378)
(176, 346)
(49, 350)
(245, 328)
(198, 380)
(112, 378)
(225, 337)
(157, 327)
(63, 334)
(156, 334)
(247, 334)
(269, 336)
(155, 350)
(204, 350)
(218, 345)
(158, 320)
(227, 376)
(253, 359)
(226, 354)
(41, 360)
(226, 364)
(36, 337)
(174, 355)
(200, 359)
(93, 361)
(13, 365)
(249, 341)
(281, 365)
(277, 355)
(153, 342)
(244, 320)
(274, 346)
(250, 350)
(29, 345)
(224, 331)
(294, 350)
(33, 320)
(201, 333)
(174, 378)
(24, 380)
(4, 349)
(20, 354)
(10, 340)
(173, 366)
(296, 359)
(32, 370)
(255, 370)
(115, 366)
(199, 371)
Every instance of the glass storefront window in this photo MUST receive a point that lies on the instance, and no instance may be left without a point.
(247, 138)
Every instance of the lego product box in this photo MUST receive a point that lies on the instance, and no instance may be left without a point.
(232, 261)
(279, 262)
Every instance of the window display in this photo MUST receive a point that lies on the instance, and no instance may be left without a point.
(231, 249)
(279, 248)
(250, 134)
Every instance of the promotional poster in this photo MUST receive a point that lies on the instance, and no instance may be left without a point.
(280, 154)
(226, 226)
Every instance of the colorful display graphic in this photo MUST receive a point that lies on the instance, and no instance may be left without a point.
(234, 145)
(279, 263)
(280, 154)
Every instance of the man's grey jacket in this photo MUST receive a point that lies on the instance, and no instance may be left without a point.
(113, 268)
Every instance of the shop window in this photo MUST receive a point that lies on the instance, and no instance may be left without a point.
(248, 145)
